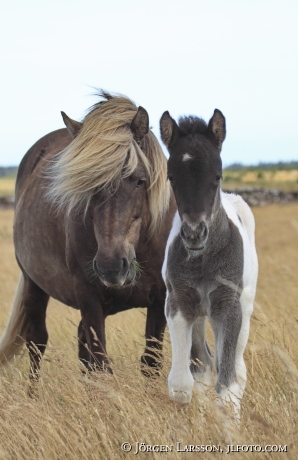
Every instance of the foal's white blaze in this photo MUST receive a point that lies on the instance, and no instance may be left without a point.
(187, 157)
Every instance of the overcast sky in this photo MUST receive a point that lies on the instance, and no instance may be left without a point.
(186, 56)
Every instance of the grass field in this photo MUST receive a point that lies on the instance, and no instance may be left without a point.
(89, 418)
(286, 180)
(7, 184)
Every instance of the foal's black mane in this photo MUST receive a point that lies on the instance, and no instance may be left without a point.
(192, 125)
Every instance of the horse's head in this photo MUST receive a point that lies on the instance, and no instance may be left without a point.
(114, 171)
(195, 170)
(119, 208)
(117, 221)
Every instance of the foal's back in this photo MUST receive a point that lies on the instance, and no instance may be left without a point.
(241, 215)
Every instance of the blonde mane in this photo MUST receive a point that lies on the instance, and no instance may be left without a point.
(97, 160)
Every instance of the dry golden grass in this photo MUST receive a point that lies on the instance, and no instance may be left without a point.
(286, 180)
(75, 417)
(7, 185)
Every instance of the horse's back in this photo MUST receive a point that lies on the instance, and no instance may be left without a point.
(46, 147)
(39, 233)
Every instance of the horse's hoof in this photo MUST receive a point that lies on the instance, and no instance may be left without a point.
(33, 390)
(150, 365)
(150, 372)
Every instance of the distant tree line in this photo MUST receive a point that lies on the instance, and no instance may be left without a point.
(8, 171)
(280, 165)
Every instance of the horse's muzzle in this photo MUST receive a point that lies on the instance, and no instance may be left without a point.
(194, 236)
(117, 275)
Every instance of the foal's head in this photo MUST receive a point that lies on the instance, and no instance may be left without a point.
(195, 170)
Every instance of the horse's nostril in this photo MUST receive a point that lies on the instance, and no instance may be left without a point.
(182, 232)
(124, 264)
(203, 231)
(95, 267)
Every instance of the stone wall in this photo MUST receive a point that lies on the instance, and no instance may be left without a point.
(252, 195)
(255, 196)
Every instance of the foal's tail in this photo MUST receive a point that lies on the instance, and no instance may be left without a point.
(14, 334)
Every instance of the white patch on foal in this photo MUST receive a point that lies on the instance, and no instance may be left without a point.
(180, 378)
(173, 233)
(230, 398)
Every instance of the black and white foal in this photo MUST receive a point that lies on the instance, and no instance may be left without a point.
(210, 266)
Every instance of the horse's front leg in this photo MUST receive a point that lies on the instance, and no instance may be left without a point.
(226, 321)
(180, 380)
(155, 327)
(92, 340)
(35, 302)
(84, 354)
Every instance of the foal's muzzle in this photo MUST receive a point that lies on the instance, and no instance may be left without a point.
(194, 236)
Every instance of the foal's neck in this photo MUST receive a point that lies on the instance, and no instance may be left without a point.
(219, 232)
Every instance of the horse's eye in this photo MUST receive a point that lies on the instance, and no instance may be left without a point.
(170, 177)
(141, 181)
(218, 178)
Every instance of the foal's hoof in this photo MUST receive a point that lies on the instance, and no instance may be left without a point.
(183, 397)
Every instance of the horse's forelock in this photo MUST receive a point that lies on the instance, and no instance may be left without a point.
(96, 160)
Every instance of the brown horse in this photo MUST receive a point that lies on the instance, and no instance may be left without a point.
(93, 205)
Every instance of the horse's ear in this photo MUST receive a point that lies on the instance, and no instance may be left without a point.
(168, 128)
(140, 124)
(217, 127)
(72, 125)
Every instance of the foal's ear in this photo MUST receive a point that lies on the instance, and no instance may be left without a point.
(168, 128)
(73, 126)
(140, 124)
(217, 127)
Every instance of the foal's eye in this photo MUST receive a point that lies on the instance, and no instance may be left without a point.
(218, 178)
(141, 181)
(170, 177)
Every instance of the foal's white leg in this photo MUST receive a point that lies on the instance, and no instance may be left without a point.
(201, 366)
(180, 379)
